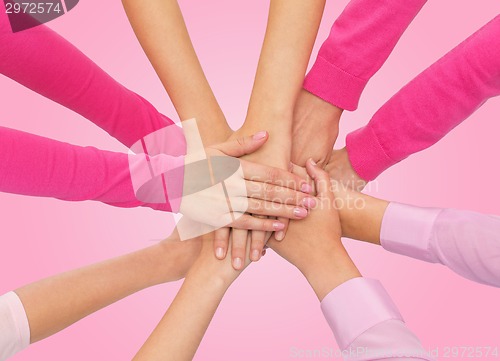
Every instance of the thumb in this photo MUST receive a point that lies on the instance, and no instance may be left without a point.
(243, 145)
(321, 179)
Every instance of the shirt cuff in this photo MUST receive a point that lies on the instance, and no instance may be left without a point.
(14, 326)
(407, 230)
(334, 85)
(366, 155)
(356, 306)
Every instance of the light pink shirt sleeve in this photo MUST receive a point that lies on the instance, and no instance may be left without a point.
(360, 41)
(431, 105)
(464, 241)
(14, 326)
(367, 324)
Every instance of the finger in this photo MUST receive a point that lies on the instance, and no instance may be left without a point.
(238, 248)
(321, 178)
(258, 239)
(278, 194)
(280, 235)
(221, 242)
(248, 222)
(243, 145)
(265, 208)
(263, 173)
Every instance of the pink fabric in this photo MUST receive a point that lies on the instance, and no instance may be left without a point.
(367, 323)
(14, 326)
(360, 42)
(466, 242)
(431, 105)
(45, 62)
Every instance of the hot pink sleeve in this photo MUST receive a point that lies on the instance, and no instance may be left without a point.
(46, 63)
(466, 242)
(359, 43)
(431, 105)
(367, 324)
(14, 326)
(37, 166)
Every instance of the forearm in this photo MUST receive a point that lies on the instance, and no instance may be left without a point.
(162, 32)
(181, 330)
(291, 31)
(57, 302)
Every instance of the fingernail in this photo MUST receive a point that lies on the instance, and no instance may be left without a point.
(237, 263)
(219, 253)
(309, 202)
(278, 226)
(279, 235)
(306, 188)
(255, 255)
(300, 212)
(259, 135)
(312, 162)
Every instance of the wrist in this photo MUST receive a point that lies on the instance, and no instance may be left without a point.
(329, 272)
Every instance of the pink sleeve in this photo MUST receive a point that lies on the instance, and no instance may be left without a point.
(43, 61)
(360, 41)
(37, 166)
(367, 323)
(14, 326)
(466, 242)
(431, 105)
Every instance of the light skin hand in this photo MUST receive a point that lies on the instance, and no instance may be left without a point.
(320, 257)
(193, 308)
(291, 31)
(341, 170)
(315, 129)
(57, 302)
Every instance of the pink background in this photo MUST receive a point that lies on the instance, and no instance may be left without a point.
(271, 308)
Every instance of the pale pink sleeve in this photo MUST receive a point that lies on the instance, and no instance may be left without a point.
(431, 105)
(45, 62)
(37, 166)
(14, 326)
(466, 242)
(367, 324)
(360, 41)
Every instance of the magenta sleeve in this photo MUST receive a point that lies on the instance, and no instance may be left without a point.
(431, 105)
(46, 63)
(466, 242)
(359, 43)
(36, 166)
(367, 323)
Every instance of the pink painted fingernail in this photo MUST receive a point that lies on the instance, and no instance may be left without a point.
(300, 212)
(278, 226)
(255, 255)
(309, 202)
(219, 253)
(306, 188)
(279, 235)
(237, 263)
(312, 162)
(259, 135)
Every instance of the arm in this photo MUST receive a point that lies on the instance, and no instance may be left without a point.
(161, 30)
(33, 58)
(359, 311)
(181, 330)
(41, 309)
(431, 105)
(466, 242)
(360, 41)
